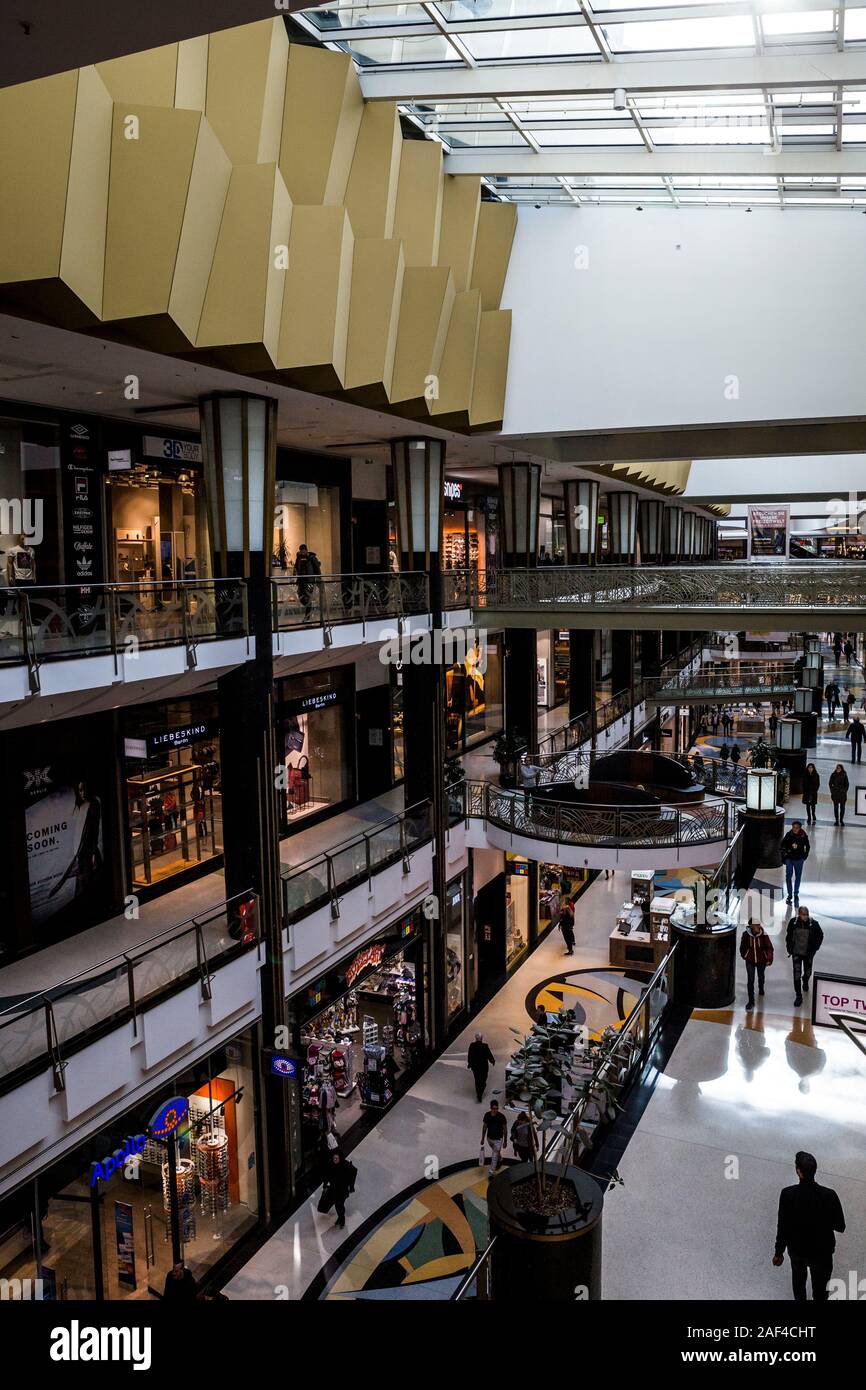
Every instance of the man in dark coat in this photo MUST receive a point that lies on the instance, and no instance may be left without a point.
(479, 1060)
(803, 941)
(809, 1217)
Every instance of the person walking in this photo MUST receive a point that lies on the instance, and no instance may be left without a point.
(856, 732)
(479, 1060)
(839, 785)
(803, 941)
(566, 926)
(307, 565)
(773, 724)
(846, 699)
(848, 649)
(830, 695)
(809, 1218)
(522, 1138)
(811, 784)
(339, 1183)
(795, 852)
(494, 1132)
(724, 753)
(180, 1285)
(756, 949)
(735, 754)
(837, 646)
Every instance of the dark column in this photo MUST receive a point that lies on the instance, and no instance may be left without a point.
(650, 653)
(369, 536)
(670, 644)
(521, 690)
(581, 677)
(420, 714)
(249, 767)
(621, 668)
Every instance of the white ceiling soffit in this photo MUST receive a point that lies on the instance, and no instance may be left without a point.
(804, 478)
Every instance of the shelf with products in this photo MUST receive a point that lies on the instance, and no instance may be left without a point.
(641, 935)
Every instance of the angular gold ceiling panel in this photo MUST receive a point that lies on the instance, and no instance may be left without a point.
(317, 285)
(232, 197)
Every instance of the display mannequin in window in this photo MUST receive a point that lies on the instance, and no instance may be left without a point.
(20, 564)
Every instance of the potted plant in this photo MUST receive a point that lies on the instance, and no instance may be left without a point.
(546, 1214)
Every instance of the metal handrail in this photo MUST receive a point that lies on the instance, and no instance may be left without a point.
(121, 967)
(323, 600)
(58, 621)
(333, 883)
(664, 824)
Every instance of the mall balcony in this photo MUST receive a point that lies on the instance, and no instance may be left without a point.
(78, 649)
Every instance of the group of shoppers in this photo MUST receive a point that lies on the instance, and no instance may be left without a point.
(803, 941)
(838, 785)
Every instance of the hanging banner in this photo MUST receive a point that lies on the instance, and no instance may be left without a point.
(768, 531)
(124, 1235)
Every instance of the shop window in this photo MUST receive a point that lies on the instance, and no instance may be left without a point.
(556, 886)
(358, 1048)
(306, 514)
(316, 717)
(50, 1236)
(174, 792)
(158, 526)
(516, 910)
(30, 487)
(455, 977)
(473, 693)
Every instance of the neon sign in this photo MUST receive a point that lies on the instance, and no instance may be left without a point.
(369, 957)
(102, 1171)
(169, 1117)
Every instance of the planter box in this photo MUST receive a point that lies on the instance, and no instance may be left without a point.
(546, 1259)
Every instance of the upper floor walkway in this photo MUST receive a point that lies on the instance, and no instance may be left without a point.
(789, 596)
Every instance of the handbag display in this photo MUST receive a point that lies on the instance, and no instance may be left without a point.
(299, 783)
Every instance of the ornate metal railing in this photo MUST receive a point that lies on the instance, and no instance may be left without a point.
(840, 588)
(719, 778)
(663, 826)
(47, 622)
(321, 880)
(324, 600)
(724, 680)
(46, 1026)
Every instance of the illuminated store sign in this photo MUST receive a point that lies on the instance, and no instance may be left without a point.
(453, 491)
(284, 1066)
(370, 957)
(182, 737)
(176, 450)
(169, 1117)
(102, 1170)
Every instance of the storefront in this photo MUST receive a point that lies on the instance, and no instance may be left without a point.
(552, 668)
(518, 910)
(98, 1223)
(359, 1030)
(173, 792)
(312, 508)
(457, 950)
(557, 885)
(156, 511)
(470, 528)
(474, 709)
(31, 489)
(316, 738)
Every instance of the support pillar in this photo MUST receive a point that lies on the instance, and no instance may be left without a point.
(240, 446)
(582, 644)
(419, 471)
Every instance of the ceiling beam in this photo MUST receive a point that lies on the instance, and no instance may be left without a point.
(742, 162)
(791, 70)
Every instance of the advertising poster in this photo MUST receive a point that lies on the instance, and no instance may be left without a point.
(124, 1234)
(65, 781)
(65, 857)
(768, 532)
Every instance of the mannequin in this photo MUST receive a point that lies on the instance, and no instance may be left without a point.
(20, 563)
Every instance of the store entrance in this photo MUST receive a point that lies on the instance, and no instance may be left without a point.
(359, 1051)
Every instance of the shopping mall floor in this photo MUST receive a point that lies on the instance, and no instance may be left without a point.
(695, 1216)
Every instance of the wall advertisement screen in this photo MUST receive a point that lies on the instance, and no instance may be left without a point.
(768, 532)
